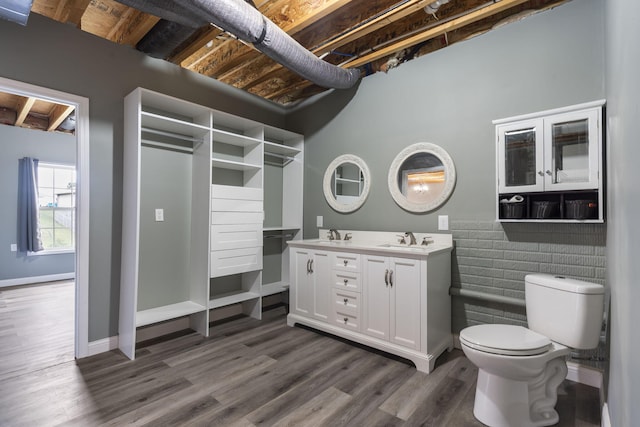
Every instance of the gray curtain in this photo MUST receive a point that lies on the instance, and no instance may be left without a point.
(28, 229)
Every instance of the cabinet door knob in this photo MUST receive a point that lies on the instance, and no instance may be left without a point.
(346, 319)
(540, 173)
(386, 277)
(346, 300)
(391, 278)
(548, 172)
(346, 262)
(346, 281)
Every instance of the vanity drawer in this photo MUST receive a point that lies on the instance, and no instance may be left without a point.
(347, 321)
(346, 280)
(346, 261)
(346, 302)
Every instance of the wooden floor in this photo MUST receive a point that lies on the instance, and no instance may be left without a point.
(247, 373)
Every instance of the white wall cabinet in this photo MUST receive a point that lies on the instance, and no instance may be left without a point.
(554, 160)
(205, 171)
(357, 290)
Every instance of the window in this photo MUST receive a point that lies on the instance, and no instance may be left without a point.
(57, 203)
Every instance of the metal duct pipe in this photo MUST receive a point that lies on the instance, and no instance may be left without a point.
(249, 25)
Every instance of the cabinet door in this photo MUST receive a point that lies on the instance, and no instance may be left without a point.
(404, 282)
(375, 292)
(301, 285)
(571, 150)
(321, 280)
(520, 156)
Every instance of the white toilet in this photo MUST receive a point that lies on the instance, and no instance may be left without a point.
(520, 369)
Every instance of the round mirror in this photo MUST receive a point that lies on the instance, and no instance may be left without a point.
(346, 183)
(422, 177)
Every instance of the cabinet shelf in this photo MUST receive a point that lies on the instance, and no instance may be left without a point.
(229, 298)
(234, 165)
(167, 312)
(274, 288)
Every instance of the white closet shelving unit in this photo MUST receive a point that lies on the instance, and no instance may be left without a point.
(165, 207)
(283, 170)
(203, 191)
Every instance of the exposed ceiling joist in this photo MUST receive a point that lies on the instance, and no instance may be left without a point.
(23, 107)
(58, 115)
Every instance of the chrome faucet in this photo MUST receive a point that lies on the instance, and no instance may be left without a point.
(412, 238)
(334, 234)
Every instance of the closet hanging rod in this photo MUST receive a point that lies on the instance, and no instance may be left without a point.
(171, 134)
(166, 146)
(280, 156)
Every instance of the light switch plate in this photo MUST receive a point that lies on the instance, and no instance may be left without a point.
(14, 247)
(443, 222)
(159, 214)
(319, 221)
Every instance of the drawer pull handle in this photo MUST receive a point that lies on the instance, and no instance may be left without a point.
(386, 277)
(346, 300)
(346, 281)
(346, 262)
(346, 319)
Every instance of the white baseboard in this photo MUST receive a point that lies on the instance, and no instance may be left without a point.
(36, 279)
(102, 346)
(606, 419)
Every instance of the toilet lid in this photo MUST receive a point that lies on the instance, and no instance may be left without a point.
(505, 339)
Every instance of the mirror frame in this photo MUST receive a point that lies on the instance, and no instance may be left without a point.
(328, 193)
(450, 177)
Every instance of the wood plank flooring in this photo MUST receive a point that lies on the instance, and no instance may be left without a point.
(248, 373)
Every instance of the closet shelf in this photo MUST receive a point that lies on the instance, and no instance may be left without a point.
(233, 165)
(234, 138)
(281, 228)
(274, 288)
(283, 150)
(168, 126)
(167, 312)
(229, 298)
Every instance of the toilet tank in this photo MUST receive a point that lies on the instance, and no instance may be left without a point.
(567, 311)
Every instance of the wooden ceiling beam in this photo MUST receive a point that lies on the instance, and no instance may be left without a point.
(132, 27)
(59, 113)
(209, 36)
(23, 106)
(71, 11)
(436, 31)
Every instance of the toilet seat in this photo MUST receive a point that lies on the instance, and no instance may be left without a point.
(508, 340)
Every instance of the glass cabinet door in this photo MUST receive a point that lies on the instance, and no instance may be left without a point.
(520, 157)
(571, 160)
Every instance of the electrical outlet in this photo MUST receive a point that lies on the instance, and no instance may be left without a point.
(319, 221)
(14, 247)
(443, 222)
(159, 214)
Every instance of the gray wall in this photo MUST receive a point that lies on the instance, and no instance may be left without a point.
(16, 143)
(549, 60)
(61, 57)
(623, 245)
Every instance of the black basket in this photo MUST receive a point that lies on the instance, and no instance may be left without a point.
(544, 209)
(512, 210)
(580, 209)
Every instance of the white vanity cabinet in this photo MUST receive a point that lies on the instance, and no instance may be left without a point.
(553, 160)
(311, 273)
(392, 299)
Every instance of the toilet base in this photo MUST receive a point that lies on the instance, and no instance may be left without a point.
(502, 402)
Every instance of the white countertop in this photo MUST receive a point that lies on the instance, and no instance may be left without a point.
(381, 242)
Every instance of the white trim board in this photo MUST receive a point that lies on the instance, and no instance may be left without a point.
(82, 191)
(102, 346)
(36, 279)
